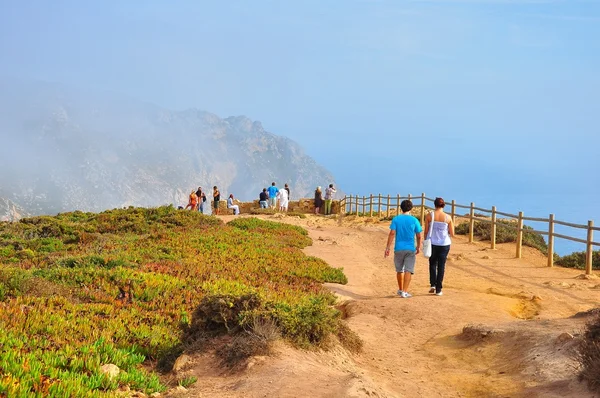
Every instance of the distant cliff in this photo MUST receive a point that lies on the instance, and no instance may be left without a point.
(64, 149)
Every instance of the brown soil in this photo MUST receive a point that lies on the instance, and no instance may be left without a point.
(519, 342)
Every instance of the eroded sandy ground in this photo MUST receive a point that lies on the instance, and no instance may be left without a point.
(522, 344)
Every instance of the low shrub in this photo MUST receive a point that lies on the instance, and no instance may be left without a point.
(588, 354)
(348, 338)
(241, 347)
(504, 233)
(13, 282)
(577, 260)
(290, 235)
(309, 322)
(124, 289)
(267, 211)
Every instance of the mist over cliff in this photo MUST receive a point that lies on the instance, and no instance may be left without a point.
(64, 149)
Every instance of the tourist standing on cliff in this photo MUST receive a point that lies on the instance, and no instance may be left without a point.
(403, 230)
(193, 201)
(329, 193)
(201, 199)
(318, 200)
(273, 190)
(442, 229)
(283, 200)
(216, 198)
(263, 199)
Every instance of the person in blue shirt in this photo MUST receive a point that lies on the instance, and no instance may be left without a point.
(273, 190)
(403, 230)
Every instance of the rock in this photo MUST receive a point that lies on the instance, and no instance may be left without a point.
(110, 370)
(180, 362)
(486, 257)
(155, 394)
(587, 277)
(180, 389)
(564, 337)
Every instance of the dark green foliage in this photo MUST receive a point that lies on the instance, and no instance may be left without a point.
(504, 234)
(577, 260)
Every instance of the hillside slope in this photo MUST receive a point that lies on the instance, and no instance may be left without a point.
(505, 327)
(65, 149)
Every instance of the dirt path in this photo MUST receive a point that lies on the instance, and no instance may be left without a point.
(415, 347)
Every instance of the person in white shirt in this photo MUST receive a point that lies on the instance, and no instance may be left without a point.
(442, 229)
(329, 198)
(230, 205)
(283, 197)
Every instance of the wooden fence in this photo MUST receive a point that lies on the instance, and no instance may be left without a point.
(390, 205)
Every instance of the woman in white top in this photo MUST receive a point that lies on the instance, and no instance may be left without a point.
(442, 229)
(284, 198)
(230, 205)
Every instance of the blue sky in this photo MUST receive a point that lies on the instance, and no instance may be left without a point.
(465, 97)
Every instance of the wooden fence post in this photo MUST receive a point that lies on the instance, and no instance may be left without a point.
(356, 200)
(371, 205)
(493, 237)
(551, 240)
(349, 204)
(471, 221)
(519, 235)
(379, 206)
(422, 208)
(364, 203)
(387, 210)
(453, 214)
(397, 204)
(589, 252)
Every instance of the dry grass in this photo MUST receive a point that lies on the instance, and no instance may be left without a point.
(257, 339)
(588, 354)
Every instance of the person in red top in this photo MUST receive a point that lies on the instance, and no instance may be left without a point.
(193, 202)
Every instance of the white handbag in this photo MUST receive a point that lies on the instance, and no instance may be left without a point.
(427, 241)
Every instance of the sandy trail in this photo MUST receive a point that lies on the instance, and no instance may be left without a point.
(412, 346)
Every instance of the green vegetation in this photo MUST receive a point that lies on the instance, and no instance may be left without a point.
(259, 211)
(504, 233)
(577, 260)
(131, 286)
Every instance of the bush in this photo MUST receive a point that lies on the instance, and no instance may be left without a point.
(577, 260)
(504, 233)
(131, 278)
(13, 282)
(309, 322)
(588, 354)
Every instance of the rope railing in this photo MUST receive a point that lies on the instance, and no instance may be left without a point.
(389, 205)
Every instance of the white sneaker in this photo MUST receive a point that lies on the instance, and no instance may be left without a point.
(406, 295)
(400, 293)
(438, 293)
(432, 289)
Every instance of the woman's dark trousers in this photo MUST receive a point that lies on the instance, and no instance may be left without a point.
(437, 266)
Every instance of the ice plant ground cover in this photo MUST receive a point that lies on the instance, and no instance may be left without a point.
(80, 290)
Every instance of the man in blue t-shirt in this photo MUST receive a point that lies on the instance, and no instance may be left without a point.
(273, 195)
(404, 228)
